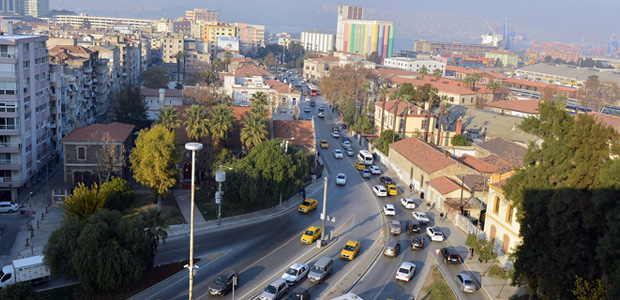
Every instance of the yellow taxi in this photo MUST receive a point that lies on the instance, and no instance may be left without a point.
(360, 165)
(310, 235)
(392, 190)
(307, 206)
(324, 144)
(350, 250)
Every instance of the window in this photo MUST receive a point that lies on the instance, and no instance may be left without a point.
(496, 205)
(26, 64)
(10, 107)
(492, 234)
(7, 124)
(26, 47)
(505, 244)
(8, 88)
(509, 212)
(81, 153)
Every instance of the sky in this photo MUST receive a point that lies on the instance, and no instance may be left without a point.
(570, 21)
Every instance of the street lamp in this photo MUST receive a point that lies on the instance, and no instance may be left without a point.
(192, 147)
(220, 177)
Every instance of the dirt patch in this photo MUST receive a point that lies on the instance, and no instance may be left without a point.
(169, 207)
(435, 287)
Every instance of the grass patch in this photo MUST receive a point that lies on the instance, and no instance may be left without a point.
(435, 287)
(169, 207)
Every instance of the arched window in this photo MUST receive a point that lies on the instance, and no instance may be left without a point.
(509, 213)
(492, 234)
(496, 205)
(505, 244)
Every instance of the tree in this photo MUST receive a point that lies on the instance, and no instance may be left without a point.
(254, 130)
(168, 117)
(437, 73)
(209, 76)
(153, 159)
(221, 123)
(423, 71)
(218, 65)
(178, 57)
(498, 272)
(227, 59)
(82, 203)
(344, 86)
(383, 90)
(258, 102)
(486, 252)
(590, 95)
(459, 140)
(19, 291)
(374, 57)
(270, 60)
(385, 139)
(197, 123)
(132, 107)
(155, 225)
(117, 194)
(495, 86)
(363, 125)
(110, 158)
(155, 78)
(589, 290)
(472, 79)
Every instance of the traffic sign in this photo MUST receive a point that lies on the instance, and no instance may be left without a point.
(382, 232)
(437, 251)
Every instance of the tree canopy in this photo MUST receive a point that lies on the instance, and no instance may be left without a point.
(132, 107)
(459, 140)
(155, 78)
(83, 202)
(387, 137)
(117, 194)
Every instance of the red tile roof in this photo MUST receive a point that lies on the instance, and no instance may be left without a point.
(326, 59)
(540, 85)
(470, 71)
(423, 155)
(414, 111)
(444, 185)
(607, 119)
(389, 72)
(302, 131)
(94, 133)
(444, 85)
(478, 164)
(252, 71)
(524, 106)
(280, 87)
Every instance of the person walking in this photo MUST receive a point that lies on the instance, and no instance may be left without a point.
(441, 216)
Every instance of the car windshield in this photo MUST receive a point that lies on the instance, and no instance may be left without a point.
(340, 176)
(292, 272)
(309, 232)
(220, 279)
(438, 233)
(294, 296)
(403, 270)
(468, 282)
(306, 203)
(317, 269)
(271, 289)
(349, 247)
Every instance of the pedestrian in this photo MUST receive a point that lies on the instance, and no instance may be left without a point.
(422, 195)
(303, 193)
(428, 206)
(411, 187)
(441, 216)
(472, 251)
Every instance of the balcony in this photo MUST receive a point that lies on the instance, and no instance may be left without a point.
(11, 164)
(53, 125)
(10, 147)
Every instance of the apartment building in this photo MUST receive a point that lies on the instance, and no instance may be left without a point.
(111, 53)
(212, 32)
(346, 12)
(86, 21)
(25, 154)
(441, 48)
(35, 8)
(250, 34)
(414, 64)
(171, 44)
(318, 42)
(199, 14)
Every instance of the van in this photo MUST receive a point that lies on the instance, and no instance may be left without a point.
(321, 269)
(365, 157)
(348, 296)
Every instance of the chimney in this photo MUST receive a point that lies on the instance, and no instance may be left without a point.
(427, 106)
(459, 126)
(162, 98)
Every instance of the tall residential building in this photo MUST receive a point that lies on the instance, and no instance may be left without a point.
(36, 8)
(317, 42)
(212, 32)
(345, 13)
(250, 34)
(367, 36)
(199, 14)
(86, 21)
(171, 45)
(24, 113)
(9, 7)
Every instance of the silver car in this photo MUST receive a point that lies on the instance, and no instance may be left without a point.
(465, 282)
(365, 173)
(275, 290)
(395, 227)
(7, 206)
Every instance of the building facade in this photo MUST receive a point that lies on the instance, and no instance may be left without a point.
(442, 48)
(251, 34)
(367, 36)
(201, 14)
(414, 65)
(317, 42)
(36, 8)
(86, 21)
(346, 12)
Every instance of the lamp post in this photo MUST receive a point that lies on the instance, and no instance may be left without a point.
(220, 177)
(192, 147)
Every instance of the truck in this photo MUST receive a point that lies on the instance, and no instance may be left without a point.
(30, 270)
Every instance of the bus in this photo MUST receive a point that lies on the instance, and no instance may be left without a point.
(314, 90)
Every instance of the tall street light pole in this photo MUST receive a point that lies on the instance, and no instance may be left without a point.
(192, 147)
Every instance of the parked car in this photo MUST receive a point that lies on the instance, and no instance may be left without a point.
(8, 207)
(275, 290)
(417, 243)
(365, 173)
(435, 234)
(388, 210)
(341, 179)
(392, 249)
(375, 170)
(395, 227)
(386, 180)
(405, 271)
(465, 282)
(408, 203)
(450, 255)
(223, 283)
(379, 190)
(420, 217)
(295, 273)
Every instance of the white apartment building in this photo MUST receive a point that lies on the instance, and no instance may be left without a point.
(318, 42)
(346, 12)
(24, 113)
(36, 8)
(414, 65)
(99, 22)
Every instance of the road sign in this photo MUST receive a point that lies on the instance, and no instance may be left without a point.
(437, 251)
(382, 232)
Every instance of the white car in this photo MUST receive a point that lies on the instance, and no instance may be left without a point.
(408, 203)
(375, 170)
(275, 290)
(365, 173)
(307, 99)
(349, 151)
(295, 273)
(335, 134)
(321, 115)
(379, 190)
(435, 234)
(321, 108)
(338, 153)
(346, 144)
(307, 109)
(341, 179)
(405, 271)
(388, 210)
(420, 217)
(7, 206)
(309, 118)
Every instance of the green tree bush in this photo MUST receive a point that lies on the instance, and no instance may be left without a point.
(117, 194)
(155, 78)
(459, 140)
(385, 139)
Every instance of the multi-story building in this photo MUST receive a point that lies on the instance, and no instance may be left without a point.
(24, 113)
(10, 8)
(183, 27)
(199, 14)
(317, 68)
(418, 121)
(317, 41)
(36, 8)
(345, 13)
(86, 21)
(441, 48)
(171, 45)
(367, 36)
(414, 65)
(111, 53)
(212, 32)
(506, 58)
(251, 34)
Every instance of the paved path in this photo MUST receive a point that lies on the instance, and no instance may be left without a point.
(184, 201)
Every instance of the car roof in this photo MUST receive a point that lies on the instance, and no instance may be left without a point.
(407, 264)
(277, 281)
(407, 199)
(391, 244)
(395, 222)
(379, 186)
(297, 266)
(312, 228)
(389, 205)
(227, 272)
(465, 276)
(352, 242)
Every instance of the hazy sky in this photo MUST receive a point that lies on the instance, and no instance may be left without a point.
(571, 21)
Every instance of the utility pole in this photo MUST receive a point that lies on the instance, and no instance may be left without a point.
(192, 147)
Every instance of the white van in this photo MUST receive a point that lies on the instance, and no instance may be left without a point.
(365, 157)
(348, 296)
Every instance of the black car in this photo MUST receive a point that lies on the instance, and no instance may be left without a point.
(413, 227)
(386, 180)
(451, 255)
(299, 294)
(417, 243)
(223, 283)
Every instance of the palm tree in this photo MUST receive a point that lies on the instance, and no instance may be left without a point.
(467, 82)
(423, 71)
(259, 101)
(383, 90)
(437, 73)
(169, 118)
(221, 123)
(494, 86)
(209, 76)
(227, 58)
(197, 124)
(155, 225)
(474, 77)
(395, 116)
(254, 131)
(184, 55)
(431, 98)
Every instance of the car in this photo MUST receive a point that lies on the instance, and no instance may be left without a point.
(324, 144)
(386, 180)
(395, 228)
(451, 256)
(338, 153)
(359, 166)
(405, 271)
(435, 234)
(408, 203)
(365, 173)
(295, 273)
(350, 250)
(310, 235)
(309, 118)
(312, 103)
(375, 170)
(413, 226)
(299, 293)
(392, 249)
(307, 99)
(392, 190)
(223, 283)
(465, 282)
(275, 290)
(336, 134)
(307, 206)
(417, 243)
(307, 109)
(388, 210)
(349, 151)
(8, 207)
(321, 108)
(321, 115)
(341, 179)
(346, 144)
(420, 217)
(379, 190)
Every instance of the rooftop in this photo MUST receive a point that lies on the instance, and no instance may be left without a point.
(444, 185)
(510, 151)
(148, 92)
(524, 106)
(423, 155)
(301, 131)
(118, 133)
(573, 72)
